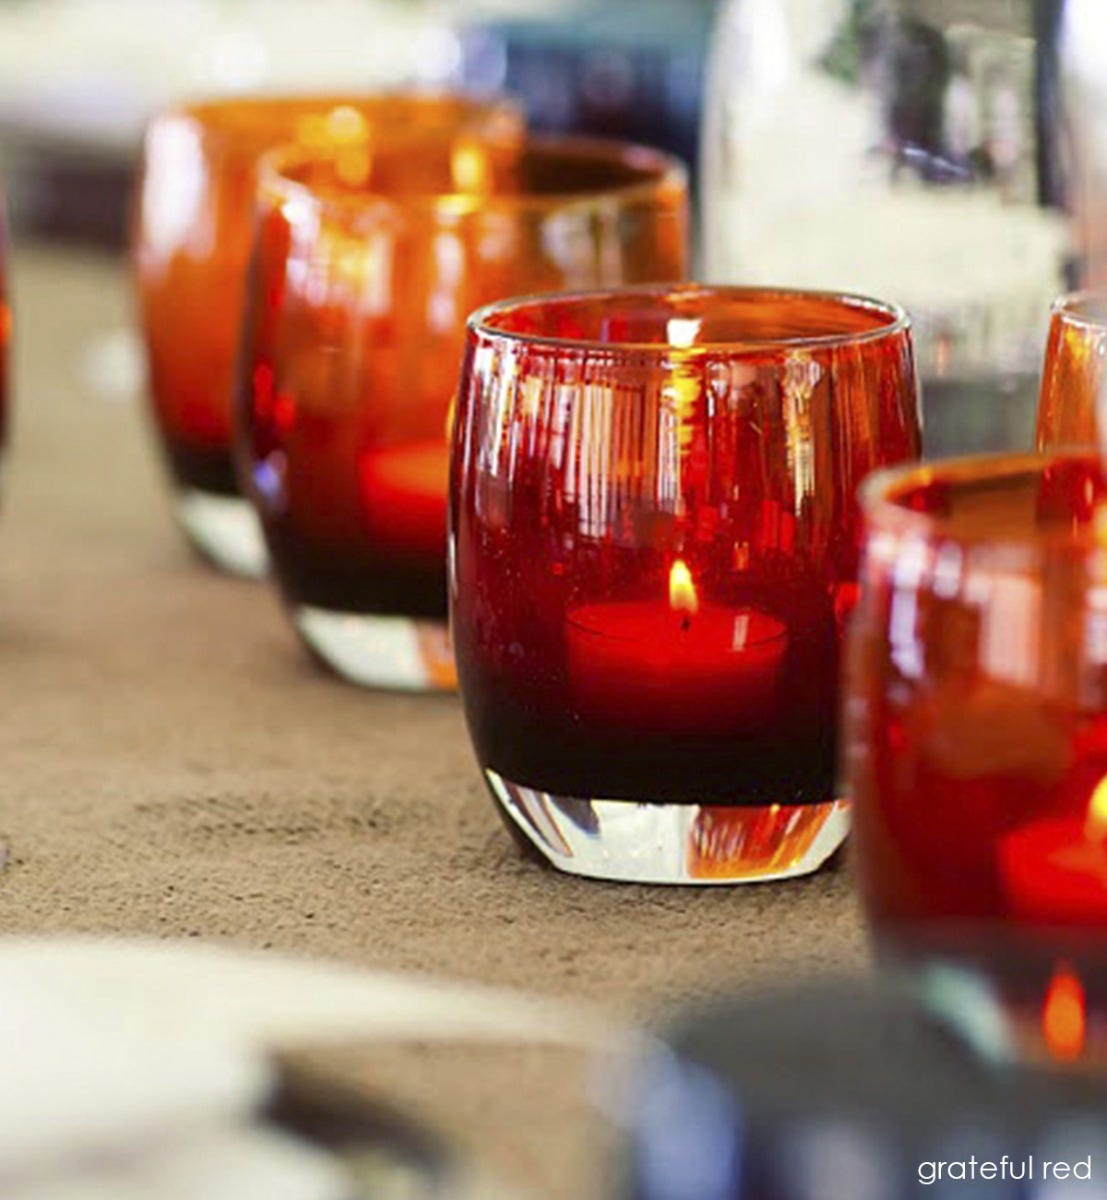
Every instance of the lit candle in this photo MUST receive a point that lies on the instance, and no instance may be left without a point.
(403, 494)
(1064, 1015)
(1054, 871)
(675, 665)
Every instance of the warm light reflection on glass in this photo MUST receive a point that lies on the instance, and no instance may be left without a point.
(1011, 628)
(451, 412)
(469, 168)
(346, 135)
(341, 124)
(174, 186)
(1063, 1015)
(682, 591)
(681, 393)
(682, 332)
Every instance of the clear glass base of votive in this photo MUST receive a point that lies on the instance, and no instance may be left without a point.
(628, 842)
(225, 530)
(389, 652)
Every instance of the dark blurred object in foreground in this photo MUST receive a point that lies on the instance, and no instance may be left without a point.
(626, 70)
(854, 1091)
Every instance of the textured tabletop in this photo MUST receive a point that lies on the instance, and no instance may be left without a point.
(174, 765)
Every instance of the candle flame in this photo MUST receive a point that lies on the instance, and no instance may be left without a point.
(682, 591)
(469, 167)
(1095, 823)
(1064, 1024)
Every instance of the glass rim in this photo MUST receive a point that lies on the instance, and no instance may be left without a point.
(204, 109)
(899, 321)
(1067, 308)
(882, 512)
(664, 173)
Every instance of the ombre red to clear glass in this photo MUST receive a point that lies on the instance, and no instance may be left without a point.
(977, 707)
(360, 297)
(654, 553)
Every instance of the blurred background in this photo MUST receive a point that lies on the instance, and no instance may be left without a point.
(78, 78)
(946, 154)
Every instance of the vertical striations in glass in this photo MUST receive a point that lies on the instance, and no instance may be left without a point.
(655, 541)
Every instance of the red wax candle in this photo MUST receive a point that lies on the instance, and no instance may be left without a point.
(403, 491)
(1054, 871)
(674, 665)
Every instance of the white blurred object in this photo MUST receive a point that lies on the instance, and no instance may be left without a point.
(185, 990)
(94, 70)
(112, 366)
(82, 1078)
(814, 176)
(1083, 44)
(137, 1068)
(236, 1163)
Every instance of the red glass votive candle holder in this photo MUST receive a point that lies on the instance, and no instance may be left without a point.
(1072, 375)
(653, 552)
(976, 718)
(192, 241)
(360, 298)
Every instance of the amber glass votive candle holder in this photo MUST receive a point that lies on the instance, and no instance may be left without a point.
(653, 552)
(976, 718)
(1072, 375)
(192, 241)
(357, 328)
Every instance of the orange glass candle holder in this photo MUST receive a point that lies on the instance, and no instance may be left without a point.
(360, 298)
(977, 709)
(1073, 372)
(653, 553)
(192, 238)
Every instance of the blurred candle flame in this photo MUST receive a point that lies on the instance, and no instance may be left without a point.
(469, 167)
(1063, 1015)
(1095, 823)
(682, 591)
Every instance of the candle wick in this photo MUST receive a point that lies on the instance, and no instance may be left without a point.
(685, 622)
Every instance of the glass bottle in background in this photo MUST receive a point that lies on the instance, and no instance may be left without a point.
(1082, 41)
(628, 69)
(909, 149)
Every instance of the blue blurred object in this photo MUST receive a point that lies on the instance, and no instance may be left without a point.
(851, 1089)
(626, 70)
